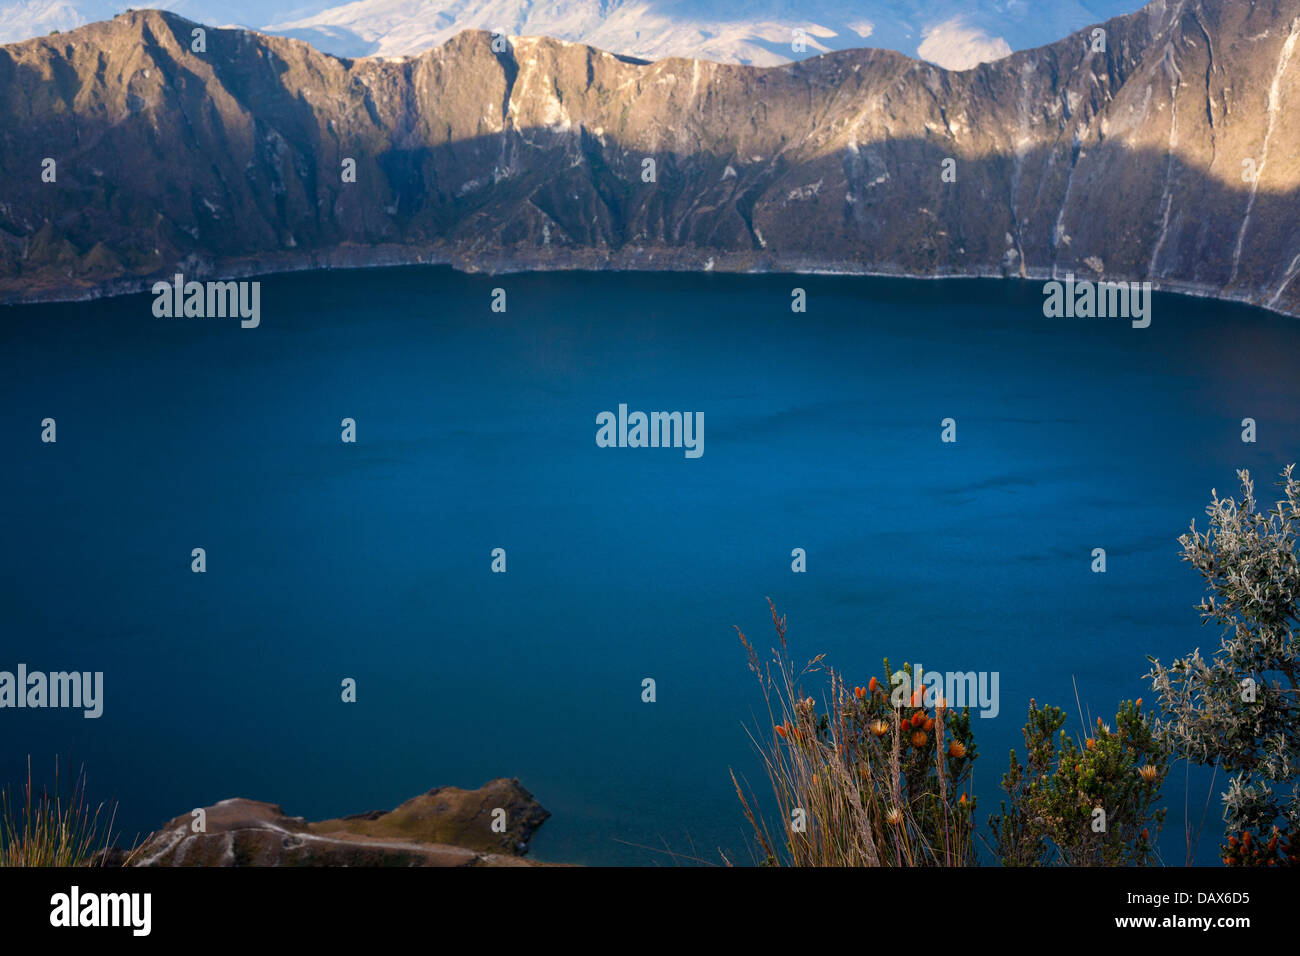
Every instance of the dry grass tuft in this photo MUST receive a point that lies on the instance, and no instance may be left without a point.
(863, 782)
(45, 830)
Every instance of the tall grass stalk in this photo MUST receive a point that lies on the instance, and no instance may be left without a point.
(46, 830)
(845, 795)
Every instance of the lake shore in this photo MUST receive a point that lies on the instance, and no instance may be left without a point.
(14, 291)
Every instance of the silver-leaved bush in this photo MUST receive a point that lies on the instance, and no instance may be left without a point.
(1240, 710)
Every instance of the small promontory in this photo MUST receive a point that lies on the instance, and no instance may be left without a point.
(447, 826)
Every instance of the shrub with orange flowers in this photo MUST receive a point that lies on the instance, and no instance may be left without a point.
(934, 751)
(878, 784)
(1050, 817)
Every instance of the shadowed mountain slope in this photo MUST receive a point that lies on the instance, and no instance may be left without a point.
(1132, 163)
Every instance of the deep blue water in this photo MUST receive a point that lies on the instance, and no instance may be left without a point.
(476, 430)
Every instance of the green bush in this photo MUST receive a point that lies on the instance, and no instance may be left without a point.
(1054, 796)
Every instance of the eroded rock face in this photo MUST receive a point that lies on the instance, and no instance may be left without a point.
(445, 827)
(1130, 162)
(452, 815)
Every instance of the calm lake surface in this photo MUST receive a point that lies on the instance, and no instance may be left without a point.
(476, 430)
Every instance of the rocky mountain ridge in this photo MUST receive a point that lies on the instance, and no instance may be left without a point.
(1167, 156)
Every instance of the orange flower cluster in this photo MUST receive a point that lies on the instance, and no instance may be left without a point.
(918, 726)
(861, 692)
(1278, 850)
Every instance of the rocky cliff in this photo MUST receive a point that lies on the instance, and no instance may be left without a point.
(445, 827)
(1170, 156)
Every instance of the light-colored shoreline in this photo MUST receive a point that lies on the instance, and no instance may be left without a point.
(638, 259)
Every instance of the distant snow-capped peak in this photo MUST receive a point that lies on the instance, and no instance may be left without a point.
(956, 34)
